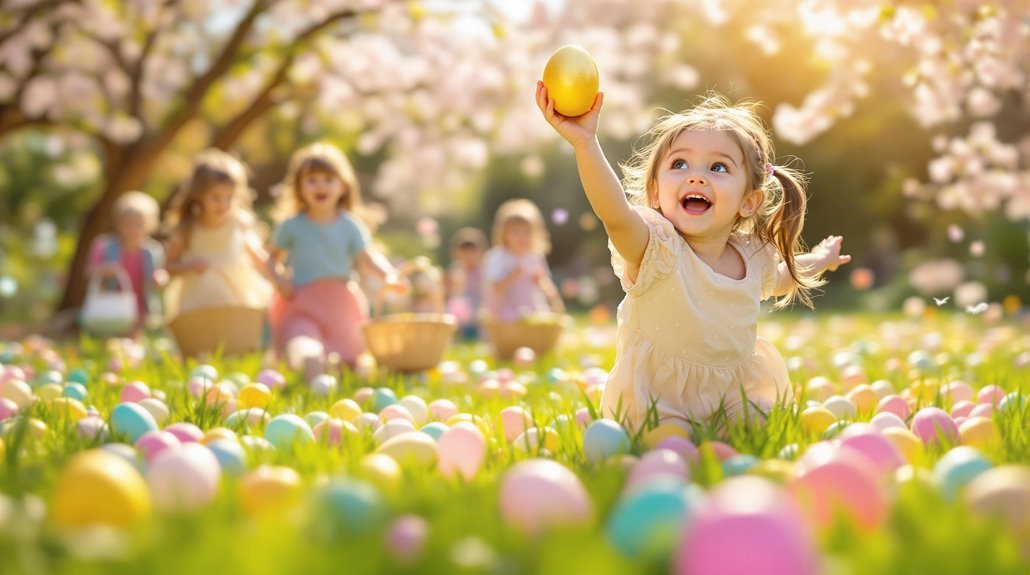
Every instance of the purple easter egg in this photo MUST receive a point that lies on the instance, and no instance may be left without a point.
(894, 404)
(272, 378)
(934, 426)
(406, 538)
(153, 443)
(681, 445)
(186, 432)
(879, 450)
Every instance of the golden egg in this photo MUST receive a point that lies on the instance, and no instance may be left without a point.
(571, 79)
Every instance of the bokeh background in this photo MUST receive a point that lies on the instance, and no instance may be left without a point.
(912, 117)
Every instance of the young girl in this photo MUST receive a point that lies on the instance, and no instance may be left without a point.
(464, 279)
(318, 310)
(517, 281)
(215, 256)
(131, 249)
(714, 228)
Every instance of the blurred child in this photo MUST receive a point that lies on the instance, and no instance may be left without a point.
(215, 255)
(464, 279)
(517, 280)
(427, 289)
(130, 248)
(318, 311)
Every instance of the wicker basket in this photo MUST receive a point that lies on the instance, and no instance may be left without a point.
(229, 330)
(409, 342)
(506, 337)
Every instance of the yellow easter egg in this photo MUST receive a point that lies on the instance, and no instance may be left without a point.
(216, 433)
(49, 391)
(380, 469)
(817, 420)
(779, 470)
(864, 398)
(3, 450)
(653, 437)
(269, 489)
(253, 395)
(907, 443)
(345, 409)
(418, 449)
(97, 487)
(67, 408)
(572, 80)
(459, 417)
(978, 431)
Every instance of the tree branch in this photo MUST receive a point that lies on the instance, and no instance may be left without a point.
(30, 13)
(136, 75)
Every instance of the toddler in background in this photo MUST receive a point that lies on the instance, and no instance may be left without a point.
(517, 281)
(130, 248)
(318, 311)
(464, 279)
(215, 255)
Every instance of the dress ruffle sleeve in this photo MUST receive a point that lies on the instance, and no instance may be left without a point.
(769, 262)
(659, 258)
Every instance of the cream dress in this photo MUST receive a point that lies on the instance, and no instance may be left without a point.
(687, 335)
(231, 278)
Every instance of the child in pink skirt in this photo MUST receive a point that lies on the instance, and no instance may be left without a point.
(318, 310)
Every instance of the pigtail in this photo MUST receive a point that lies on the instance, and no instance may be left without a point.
(783, 229)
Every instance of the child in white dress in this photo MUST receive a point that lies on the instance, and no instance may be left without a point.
(714, 228)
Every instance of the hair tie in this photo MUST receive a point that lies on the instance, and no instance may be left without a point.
(769, 169)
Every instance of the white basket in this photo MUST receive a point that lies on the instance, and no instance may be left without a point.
(109, 313)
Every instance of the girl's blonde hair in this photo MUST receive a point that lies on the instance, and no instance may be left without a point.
(211, 167)
(141, 204)
(781, 217)
(325, 158)
(522, 210)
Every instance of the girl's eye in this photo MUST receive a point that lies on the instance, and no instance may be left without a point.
(679, 164)
(720, 167)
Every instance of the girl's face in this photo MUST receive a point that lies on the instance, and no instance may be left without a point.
(321, 190)
(131, 228)
(216, 203)
(518, 236)
(702, 184)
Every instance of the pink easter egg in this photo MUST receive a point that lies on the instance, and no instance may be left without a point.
(981, 410)
(658, 462)
(722, 450)
(747, 525)
(442, 409)
(272, 378)
(461, 450)
(852, 375)
(820, 388)
(858, 428)
(959, 421)
(934, 426)
(332, 431)
(962, 408)
(879, 450)
(540, 493)
(184, 479)
(153, 443)
(186, 432)
(7, 408)
(363, 394)
(134, 392)
(198, 386)
(12, 372)
(894, 404)
(396, 411)
(839, 480)
(681, 445)
(886, 420)
(91, 428)
(583, 417)
(406, 538)
(956, 391)
(489, 388)
(990, 394)
(513, 421)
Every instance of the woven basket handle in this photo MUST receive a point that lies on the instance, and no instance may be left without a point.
(407, 269)
(117, 272)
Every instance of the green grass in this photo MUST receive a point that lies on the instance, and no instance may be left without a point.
(924, 534)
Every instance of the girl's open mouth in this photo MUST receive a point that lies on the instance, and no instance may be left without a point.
(695, 204)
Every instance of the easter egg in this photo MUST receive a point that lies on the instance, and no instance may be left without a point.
(323, 385)
(134, 392)
(657, 463)
(17, 391)
(332, 431)
(681, 445)
(572, 80)
(48, 392)
(894, 404)
(406, 538)
(907, 443)
(957, 468)
(396, 411)
(881, 452)
(347, 506)
(287, 430)
(157, 409)
(391, 429)
(417, 407)
(1003, 492)
(98, 487)
(7, 408)
(648, 521)
(841, 407)
(92, 428)
(935, 427)
(885, 420)
(978, 432)
(778, 470)
(380, 469)
(271, 378)
(738, 464)
(254, 395)
(269, 489)
(416, 449)
(132, 420)
(539, 493)
(535, 439)
(153, 443)
(75, 391)
(345, 409)
(230, 455)
(831, 481)
(315, 417)
(603, 439)
(652, 437)
(381, 397)
(67, 408)
(512, 421)
(461, 450)
(748, 525)
(864, 398)
(443, 409)
(434, 429)
(815, 420)
(184, 479)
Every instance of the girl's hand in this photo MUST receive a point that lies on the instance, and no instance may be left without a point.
(828, 255)
(284, 287)
(397, 283)
(576, 131)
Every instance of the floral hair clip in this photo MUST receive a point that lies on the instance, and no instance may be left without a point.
(769, 169)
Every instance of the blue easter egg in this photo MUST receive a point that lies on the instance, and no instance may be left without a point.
(49, 376)
(230, 455)
(835, 428)
(288, 429)
(78, 375)
(434, 429)
(603, 439)
(132, 420)
(738, 464)
(556, 374)
(1013, 402)
(205, 371)
(74, 391)
(789, 452)
(957, 468)
(316, 417)
(648, 521)
(382, 397)
(349, 506)
(920, 359)
(561, 422)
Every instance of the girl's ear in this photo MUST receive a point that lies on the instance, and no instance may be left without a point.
(752, 202)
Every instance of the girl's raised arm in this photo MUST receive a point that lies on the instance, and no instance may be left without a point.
(625, 227)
